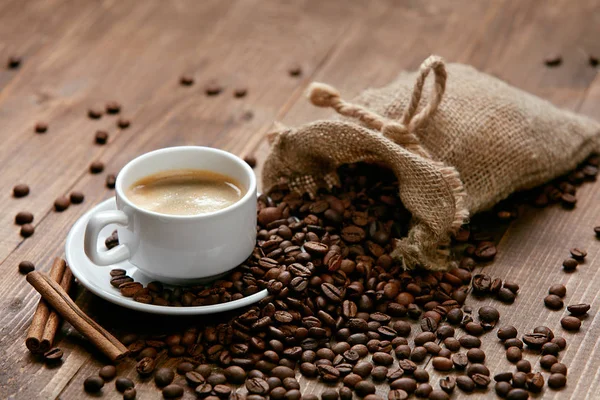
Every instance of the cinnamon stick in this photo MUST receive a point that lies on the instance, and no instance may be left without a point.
(42, 313)
(60, 301)
(54, 319)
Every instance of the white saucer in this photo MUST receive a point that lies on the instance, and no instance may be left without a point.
(97, 279)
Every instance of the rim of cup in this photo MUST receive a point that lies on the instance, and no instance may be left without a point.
(237, 160)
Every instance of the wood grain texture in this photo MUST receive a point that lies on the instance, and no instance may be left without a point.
(81, 54)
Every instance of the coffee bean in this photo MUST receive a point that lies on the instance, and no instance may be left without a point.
(145, 366)
(557, 381)
(485, 251)
(101, 137)
(578, 309)
(424, 337)
(186, 80)
(512, 286)
(409, 385)
(184, 367)
(481, 284)
(503, 377)
(94, 113)
(550, 348)
(364, 388)
(212, 89)
(27, 230)
(570, 323)
(23, 217)
(460, 361)
(428, 324)
(13, 62)
(535, 340)
(62, 203)
(112, 107)
(558, 368)
(129, 289)
(216, 378)
(257, 386)
(523, 366)
(172, 391)
(442, 363)
(502, 388)
(96, 167)
(235, 375)
(560, 341)
(488, 314)
(469, 341)
(108, 372)
(129, 394)
(578, 254)
(282, 372)
(452, 344)
(240, 92)
(382, 358)
(204, 390)
(517, 394)
(476, 355)
(558, 290)
(597, 231)
(20, 190)
(535, 382)
(465, 383)
(93, 384)
(507, 332)
(448, 384)
(506, 296)
(553, 302)
(76, 197)
(295, 70)
(417, 354)
(111, 180)
(164, 377)
(40, 127)
(123, 384)
(423, 390)
(26, 267)
(553, 60)
(250, 160)
(513, 354)
(438, 395)
(53, 355)
(548, 361)
(123, 123)
(455, 316)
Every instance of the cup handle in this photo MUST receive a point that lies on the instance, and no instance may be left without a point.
(92, 231)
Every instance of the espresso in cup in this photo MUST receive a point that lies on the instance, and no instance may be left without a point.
(185, 192)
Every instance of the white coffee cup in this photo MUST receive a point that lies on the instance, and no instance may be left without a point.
(178, 249)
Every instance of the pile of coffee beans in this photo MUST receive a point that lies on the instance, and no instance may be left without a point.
(340, 309)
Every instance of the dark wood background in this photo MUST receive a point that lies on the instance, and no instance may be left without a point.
(80, 54)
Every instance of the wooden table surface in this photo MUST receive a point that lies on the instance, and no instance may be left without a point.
(81, 54)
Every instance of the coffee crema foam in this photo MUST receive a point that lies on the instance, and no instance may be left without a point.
(185, 192)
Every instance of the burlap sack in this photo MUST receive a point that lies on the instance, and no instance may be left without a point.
(473, 143)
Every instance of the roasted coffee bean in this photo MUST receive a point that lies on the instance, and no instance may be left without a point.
(76, 197)
(129, 289)
(560, 341)
(123, 384)
(364, 388)
(442, 363)
(309, 369)
(129, 394)
(535, 340)
(378, 373)
(503, 377)
(559, 368)
(257, 386)
(250, 160)
(20, 190)
(452, 344)
(557, 381)
(547, 361)
(438, 395)
(523, 366)
(558, 290)
(507, 332)
(235, 375)
(517, 394)
(469, 341)
(550, 348)
(41, 127)
(282, 372)
(363, 369)
(94, 113)
(112, 107)
(535, 382)
(460, 361)
(417, 354)
(568, 200)
(204, 390)
(481, 380)
(123, 123)
(423, 390)
(481, 284)
(473, 328)
(570, 323)
(96, 167)
(409, 385)
(570, 264)
(186, 80)
(163, 377)
(465, 383)
(448, 384)
(578, 309)
(506, 296)
(519, 379)
(329, 394)
(424, 337)
(455, 316)
(93, 384)
(172, 391)
(222, 391)
(26, 267)
(62, 203)
(597, 231)
(108, 372)
(111, 180)
(101, 137)
(553, 302)
(53, 355)
(212, 89)
(502, 388)
(513, 354)
(513, 342)
(476, 355)
(145, 366)
(512, 286)
(488, 314)
(216, 378)
(194, 378)
(428, 324)
(578, 254)
(13, 62)
(23, 217)
(382, 358)
(295, 70)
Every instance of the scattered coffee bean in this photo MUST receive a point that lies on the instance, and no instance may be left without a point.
(597, 231)
(578, 254)
(20, 190)
(424, 390)
(163, 377)
(593, 60)
(93, 384)
(523, 366)
(506, 296)
(553, 302)
(507, 332)
(13, 62)
(240, 92)
(570, 323)
(76, 197)
(557, 381)
(111, 180)
(513, 354)
(123, 384)
(108, 372)
(62, 203)
(476, 355)
(172, 391)
(364, 388)
(112, 107)
(502, 388)
(27, 230)
(250, 160)
(101, 137)
(23, 217)
(465, 383)
(558, 290)
(442, 363)
(469, 341)
(26, 267)
(517, 394)
(558, 368)
(94, 113)
(96, 167)
(186, 80)
(553, 60)
(295, 70)
(145, 366)
(40, 127)
(213, 89)
(129, 394)
(53, 355)
(568, 201)
(578, 309)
